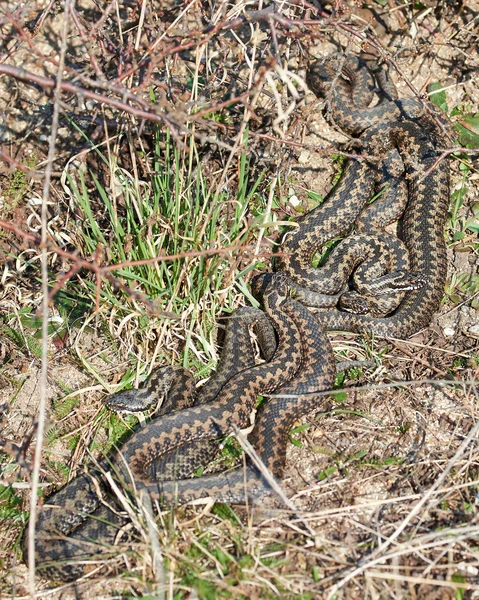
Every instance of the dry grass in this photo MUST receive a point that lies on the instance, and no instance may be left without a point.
(186, 136)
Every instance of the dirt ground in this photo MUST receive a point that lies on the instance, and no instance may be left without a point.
(384, 479)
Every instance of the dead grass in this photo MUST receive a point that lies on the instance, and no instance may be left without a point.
(187, 130)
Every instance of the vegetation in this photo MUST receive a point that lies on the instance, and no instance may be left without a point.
(188, 143)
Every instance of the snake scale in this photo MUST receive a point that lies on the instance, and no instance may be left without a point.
(418, 139)
(82, 521)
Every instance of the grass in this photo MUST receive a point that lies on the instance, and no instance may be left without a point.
(462, 228)
(178, 212)
(10, 505)
(16, 184)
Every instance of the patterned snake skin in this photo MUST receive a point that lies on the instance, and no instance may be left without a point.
(237, 355)
(421, 227)
(81, 523)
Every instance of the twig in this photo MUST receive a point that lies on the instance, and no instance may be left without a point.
(65, 86)
(460, 587)
(105, 271)
(44, 255)
(34, 174)
(378, 555)
(158, 566)
(274, 485)
(445, 154)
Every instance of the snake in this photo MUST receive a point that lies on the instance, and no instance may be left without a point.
(237, 355)
(316, 373)
(417, 139)
(83, 520)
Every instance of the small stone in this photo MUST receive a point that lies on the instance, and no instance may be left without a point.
(470, 570)
(474, 330)
(304, 157)
(449, 331)
(295, 201)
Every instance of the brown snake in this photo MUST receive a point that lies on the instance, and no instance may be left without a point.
(302, 362)
(420, 228)
(85, 512)
(237, 355)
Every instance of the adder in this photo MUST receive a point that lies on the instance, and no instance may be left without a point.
(81, 522)
(302, 363)
(417, 134)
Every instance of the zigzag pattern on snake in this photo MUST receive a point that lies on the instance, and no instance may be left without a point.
(67, 539)
(302, 362)
(421, 226)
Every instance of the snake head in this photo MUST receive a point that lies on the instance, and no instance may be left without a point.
(138, 400)
(406, 280)
(277, 290)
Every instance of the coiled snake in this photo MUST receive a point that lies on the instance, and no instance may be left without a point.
(84, 511)
(421, 226)
(83, 519)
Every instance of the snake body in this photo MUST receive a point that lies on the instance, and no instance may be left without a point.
(83, 519)
(237, 355)
(85, 510)
(316, 373)
(420, 228)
